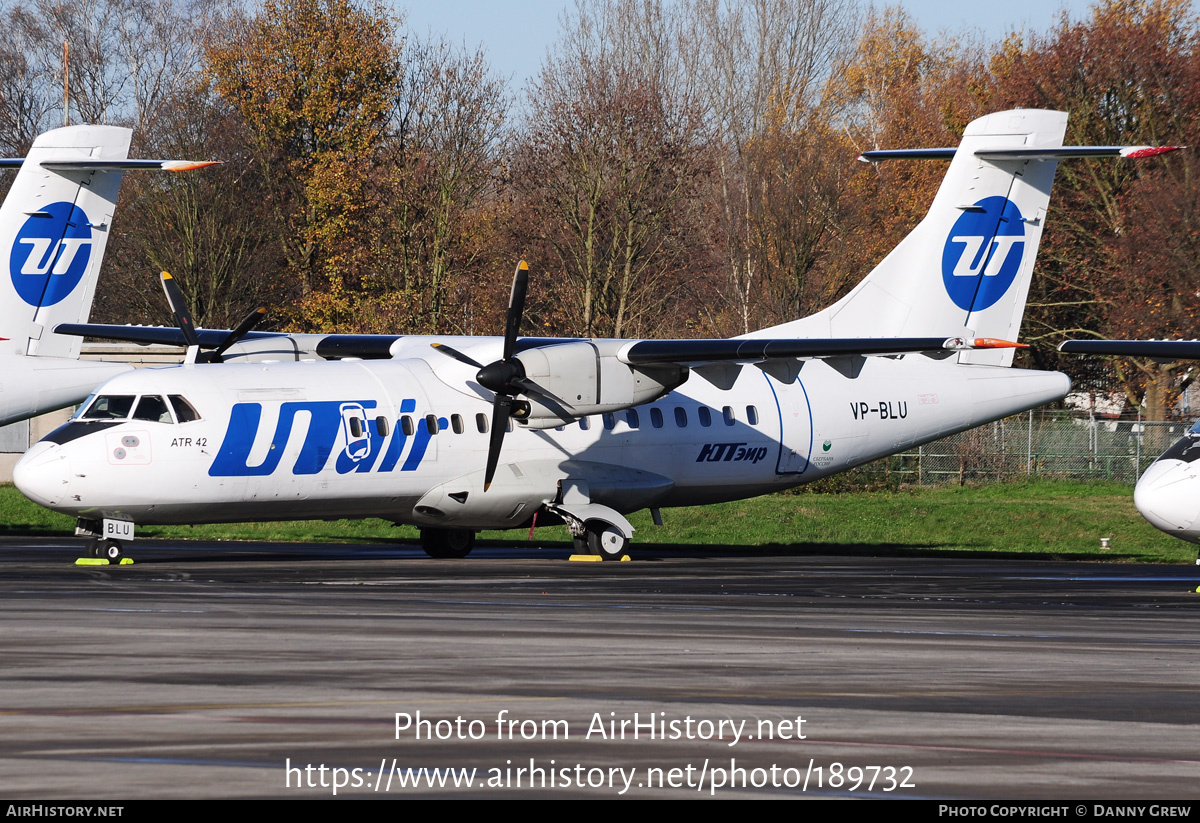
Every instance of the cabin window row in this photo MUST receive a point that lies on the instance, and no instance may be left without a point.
(408, 424)
(704, 416)
(152, 407)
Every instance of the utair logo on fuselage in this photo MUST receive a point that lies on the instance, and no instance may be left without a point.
(359, 439)
(50, 254)
(983, 253)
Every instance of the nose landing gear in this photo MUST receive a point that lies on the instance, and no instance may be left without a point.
(103, 543)
(106, 549)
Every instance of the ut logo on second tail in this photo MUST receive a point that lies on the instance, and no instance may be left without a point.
(50, 254)
(983, 253)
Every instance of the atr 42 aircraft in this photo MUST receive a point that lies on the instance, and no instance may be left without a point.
(421, 430)
(54, 225)
(1168, 493)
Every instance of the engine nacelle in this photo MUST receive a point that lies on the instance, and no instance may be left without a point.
(589, 379)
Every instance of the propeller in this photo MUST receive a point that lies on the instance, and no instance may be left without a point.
(506, 376)
(183, 317)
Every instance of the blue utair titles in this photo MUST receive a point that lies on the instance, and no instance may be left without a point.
(329, 425)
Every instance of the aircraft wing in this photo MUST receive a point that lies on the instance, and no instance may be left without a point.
(753, 350)
(1160, 349)
(112, 165)
(638, 352)
(148, 335)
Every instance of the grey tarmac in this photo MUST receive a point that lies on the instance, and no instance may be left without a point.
(231, 670)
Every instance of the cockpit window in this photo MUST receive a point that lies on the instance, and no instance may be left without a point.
(109, 407)
(151, 407)
(184, 412)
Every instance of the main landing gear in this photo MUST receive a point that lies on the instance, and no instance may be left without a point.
(600, 539)
(447, 544)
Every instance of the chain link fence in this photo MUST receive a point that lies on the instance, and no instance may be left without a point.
(1045, 444)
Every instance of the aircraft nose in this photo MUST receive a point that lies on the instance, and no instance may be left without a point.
(1168, 495)
(43, 474)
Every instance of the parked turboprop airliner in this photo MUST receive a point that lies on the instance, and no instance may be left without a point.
(54, 226)
(1168, 493)
(458, 434)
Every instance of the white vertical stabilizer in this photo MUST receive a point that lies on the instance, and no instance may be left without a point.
(968, 264)
(54, 226)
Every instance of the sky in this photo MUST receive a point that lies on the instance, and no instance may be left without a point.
(517, 33)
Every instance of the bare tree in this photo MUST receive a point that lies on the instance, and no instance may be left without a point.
(611, 168)
(760, 69)
(213, 229)
(436, 183)
(28, 83)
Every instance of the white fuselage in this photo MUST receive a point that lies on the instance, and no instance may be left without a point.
(1168, 493)
(281, 441)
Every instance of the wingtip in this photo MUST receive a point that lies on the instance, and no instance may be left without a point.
(523, 266)
(189, 165)
(1138, 152)
(166, 275)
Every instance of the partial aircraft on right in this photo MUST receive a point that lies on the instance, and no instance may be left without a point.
(1168, 494)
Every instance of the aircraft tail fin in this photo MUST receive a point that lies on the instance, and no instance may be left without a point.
(966, 268)
(54, 225)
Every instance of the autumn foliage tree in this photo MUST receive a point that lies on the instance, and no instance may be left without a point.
(610, 175)
(433, 231)
(761, 70)
(1127, 75)
(213, 229)
(899, 89)
(314, 81)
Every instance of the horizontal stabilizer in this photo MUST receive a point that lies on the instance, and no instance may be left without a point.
(1009, 153)
(1161, 349)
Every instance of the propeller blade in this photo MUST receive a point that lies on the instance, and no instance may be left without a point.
(516, 308)
(506, 376)
(180, 309)
(252, 320)
(456, 354)
(500, 413)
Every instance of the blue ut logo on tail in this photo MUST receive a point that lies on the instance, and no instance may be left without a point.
(50, 254)
(983, 253)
